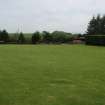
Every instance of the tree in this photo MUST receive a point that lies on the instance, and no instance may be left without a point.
(91, 30)
(36, 37)
(61, 37)
(96, 26)
(0, 35)
(4, 36)
(21, 38)
(47, 38)
(103, 25)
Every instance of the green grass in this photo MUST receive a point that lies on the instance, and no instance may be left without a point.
(52, 75)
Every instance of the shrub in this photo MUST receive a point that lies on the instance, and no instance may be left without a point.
(95, 39)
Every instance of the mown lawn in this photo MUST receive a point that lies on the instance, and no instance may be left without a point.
(52, 75)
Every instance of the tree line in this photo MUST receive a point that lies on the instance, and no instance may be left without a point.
(36, 38)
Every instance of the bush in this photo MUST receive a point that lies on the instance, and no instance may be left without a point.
(95, 39)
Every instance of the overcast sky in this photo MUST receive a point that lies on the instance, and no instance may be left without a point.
(49, 15)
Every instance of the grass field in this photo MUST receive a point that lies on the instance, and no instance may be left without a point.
(52, 75)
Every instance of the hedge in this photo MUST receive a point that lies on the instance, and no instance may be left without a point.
(95, 39)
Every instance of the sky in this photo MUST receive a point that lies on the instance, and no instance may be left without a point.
(50, 15)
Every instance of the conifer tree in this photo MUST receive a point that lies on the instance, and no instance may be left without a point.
(91, 30)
